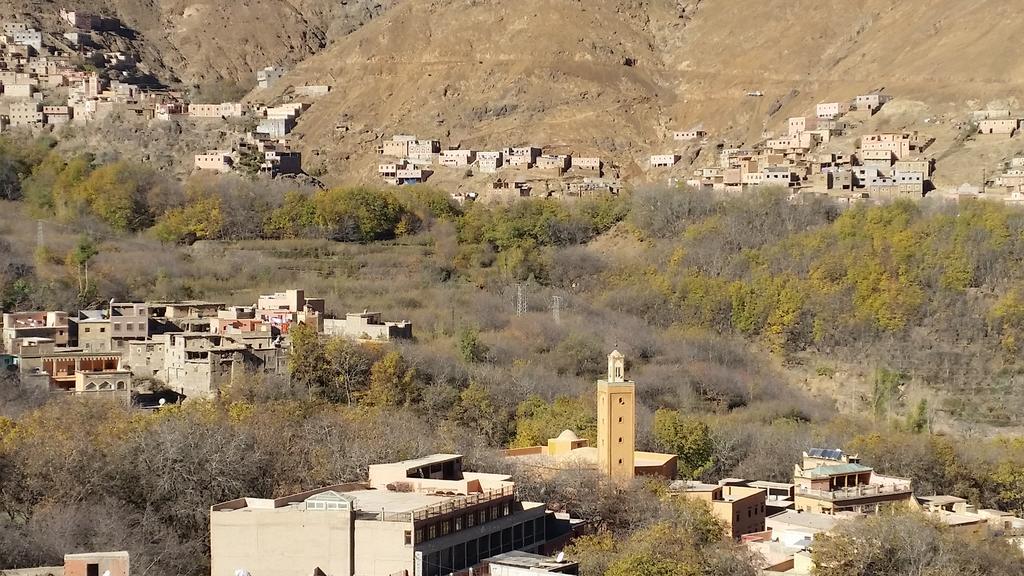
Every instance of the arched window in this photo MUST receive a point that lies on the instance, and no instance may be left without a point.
(120, 385)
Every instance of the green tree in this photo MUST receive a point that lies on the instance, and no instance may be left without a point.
(690, 438)
(471, 348)
(199, 219)
(1008, 478)
(392, 384)
(537, 420)
(917, 420)
(307, 359)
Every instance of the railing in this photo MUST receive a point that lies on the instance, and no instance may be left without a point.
(454, 505)
(854, 492)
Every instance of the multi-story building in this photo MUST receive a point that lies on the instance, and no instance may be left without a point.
(829, 481)
(269, 76)
(423, 517)
(831, 110)
(52, 325)
(223, 110)
(490, 162)
(456, 158)
(740, 507)
(282, 309)
(281, 162)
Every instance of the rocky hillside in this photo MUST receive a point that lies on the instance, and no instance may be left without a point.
(615, 76)
(608, 77)
(201, 42)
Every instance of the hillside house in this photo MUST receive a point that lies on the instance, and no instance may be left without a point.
(368, 326)
(423, 150)
(223, 110)
(900, 144)
(52, 325)
(276, 162)
(801, 124)
(869, 102)
(556, 163)
(686, 135)
(922, 165)
(56, 115)
(831, 110)
(269, 76)
(740, 507)
(456, 158)
(276, 127)
(216, 160)
(394, 148)
(664, 160)
(587, 163)
(979, 115)
(879, 158)
(780, 176)
(489, 162)
(999, 126)
(81, 20)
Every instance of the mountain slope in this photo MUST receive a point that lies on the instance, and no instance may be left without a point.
(614, 76)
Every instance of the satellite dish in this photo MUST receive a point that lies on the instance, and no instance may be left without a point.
(162, 401)
(560, 557)
(241, 572)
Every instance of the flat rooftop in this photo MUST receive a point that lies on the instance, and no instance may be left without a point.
(805, 520)
(528, 561)
(387, 501)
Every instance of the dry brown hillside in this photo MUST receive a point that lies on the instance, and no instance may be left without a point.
(207, 41)
(613, 76)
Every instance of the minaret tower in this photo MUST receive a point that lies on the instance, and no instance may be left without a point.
(616, 420)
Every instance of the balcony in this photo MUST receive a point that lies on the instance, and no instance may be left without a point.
(454, 505)
(855, 492)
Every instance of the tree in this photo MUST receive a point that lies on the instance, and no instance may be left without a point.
(917, 421)
(307, 359)
(690, 438)
(471, 348)
(199, 219)
(80, 257)
(537, 420)
(392, 384)
(1009, 481)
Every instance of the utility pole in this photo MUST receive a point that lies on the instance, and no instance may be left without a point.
(556, 309)
(520, 300)
(39, 234)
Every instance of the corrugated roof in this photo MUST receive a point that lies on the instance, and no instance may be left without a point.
(834, 470)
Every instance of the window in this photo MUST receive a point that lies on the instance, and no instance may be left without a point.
(483, 516)
(622, 401)
(408, 537)
(470, 519)
(620, 419)
(737, 516)
(494, 512)
(419, 534)
(458, 523)
(620, 439)
(506, 509)
(87, 330)
(620, 460)
(432, 531)
(446, 527)
(103, 330)
(116, 327)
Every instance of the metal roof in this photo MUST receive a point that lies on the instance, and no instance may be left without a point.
(834, 470)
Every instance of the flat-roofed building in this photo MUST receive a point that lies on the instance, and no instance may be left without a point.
(424, 516)
(999, 126)
(664, 160)
(587, 163)
(741, 508)
(456, 158)
(490, 162)
(831, 110)
(368, 326)
(51, 324)
(215, 160)
(829, 481)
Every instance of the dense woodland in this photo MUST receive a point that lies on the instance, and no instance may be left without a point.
(722, 305)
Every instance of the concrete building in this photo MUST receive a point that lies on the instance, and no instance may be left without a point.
(423, 150)
(52, 325)
(277, 162)
(829, 481)
(268, 76)
(831, 110)
(81, 20)
(489, 162)
(685, 135)
(556, 163)
(999, 126)
(456, 158)
(223, 110)
(592, 164)
(276, 127)
(422, 517)
(28, 37)
(215, 160)
(741, 508)
(110, 384)
(367, 326)
(25, 113)
(664, 160)
(282, 309)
